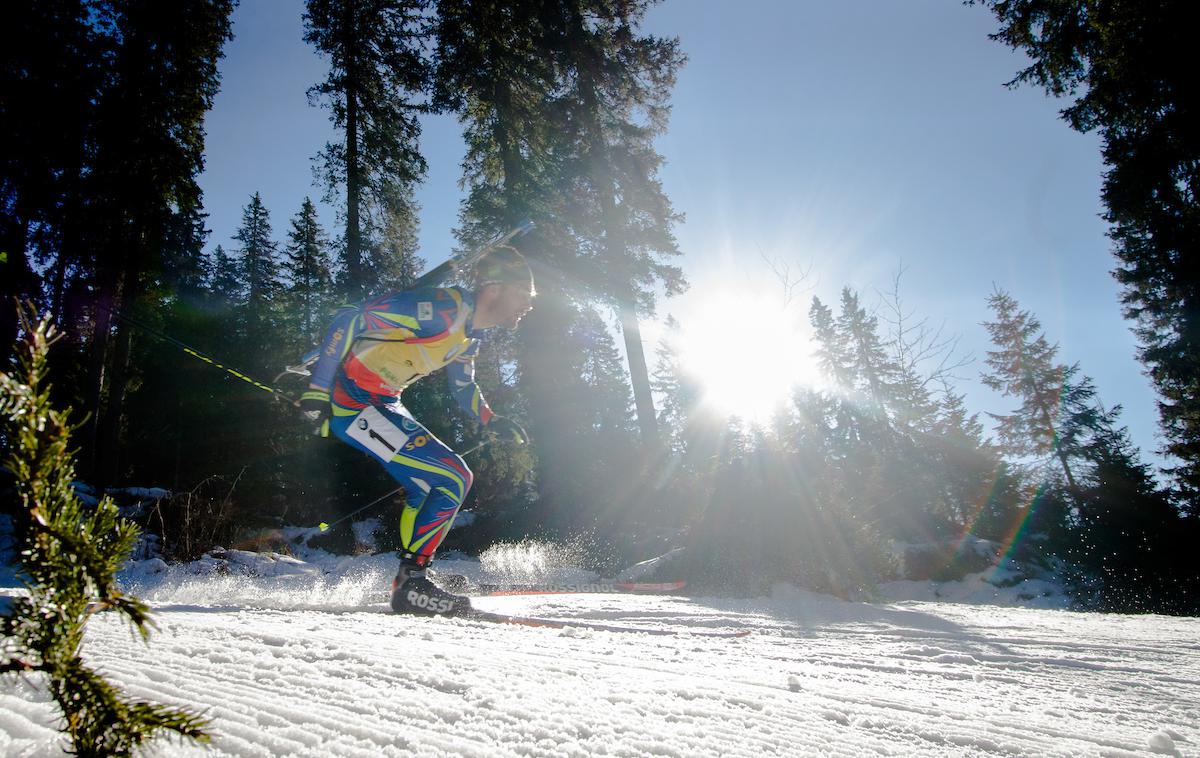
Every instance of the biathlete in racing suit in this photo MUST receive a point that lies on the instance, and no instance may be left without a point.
(370, 354)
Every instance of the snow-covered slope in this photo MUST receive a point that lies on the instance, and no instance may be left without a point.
(308, 663)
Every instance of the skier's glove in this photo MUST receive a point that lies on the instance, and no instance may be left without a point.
(504, 428)
(314, 406)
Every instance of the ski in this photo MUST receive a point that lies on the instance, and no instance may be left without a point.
(474, 614)
(637, 588)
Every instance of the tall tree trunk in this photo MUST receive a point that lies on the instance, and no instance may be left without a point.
(354, 269)
(16, 279)
(639, 374)
(109, 453)
(1058, 452)
(72, 227)
(353, 201)
(510, 157)
(108, 300)
(110, 355)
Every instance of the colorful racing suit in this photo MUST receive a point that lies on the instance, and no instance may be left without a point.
(370, 354)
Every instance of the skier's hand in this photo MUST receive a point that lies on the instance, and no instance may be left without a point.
(504, 428)
(314, 406)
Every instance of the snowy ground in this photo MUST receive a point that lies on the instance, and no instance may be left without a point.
(306, 662)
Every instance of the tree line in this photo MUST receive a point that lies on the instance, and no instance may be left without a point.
(102, 226)
(883, 472)
(560, 103)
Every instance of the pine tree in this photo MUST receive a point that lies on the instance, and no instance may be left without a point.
(603, 430)
(678, 394)
(977, 490)
(619, 83)
(185, 266)
(259, 256)
(393, 249)
(869, 363)
(376, 53)
(1023, 367)
(258, 316)
(51, 69)
(1125, 65)
(70, 555)
(603, 375)
(495, 68)
(226, 285)
(308, 268)
(835, 357)
(145, 140)
(1116, 528)
(1129, 534)
(832, 352)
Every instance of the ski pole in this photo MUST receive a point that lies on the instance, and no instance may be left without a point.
(324, 527)
(144, 327)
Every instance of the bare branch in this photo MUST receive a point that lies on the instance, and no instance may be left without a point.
(783, 272)
(920, 350)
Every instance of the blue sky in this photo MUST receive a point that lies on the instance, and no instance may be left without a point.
(836, 140)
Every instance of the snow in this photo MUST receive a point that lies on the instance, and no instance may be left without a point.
(298, 656)
(984, 587)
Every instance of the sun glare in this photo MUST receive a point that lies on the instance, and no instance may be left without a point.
(747, 352)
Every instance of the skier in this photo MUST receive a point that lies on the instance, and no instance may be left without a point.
(370, 354)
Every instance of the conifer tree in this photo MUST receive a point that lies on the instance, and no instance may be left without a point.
(227, 286)
(1023, 367)
(145, 149)
(51, 61)
(603, 427)
(185, 265)
(1125, 63)
(975, 484)
(832, 352)
(1118, 529)
(842, 414)
(602, 373)
(70, 555)
(619, 83)
(1130, 537)
(869, 361)
(495, 68)
(392, 252)
(678, 395)
(308, 268)
(376, 53)
(259, 258)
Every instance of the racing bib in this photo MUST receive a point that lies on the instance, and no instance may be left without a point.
(376, 433)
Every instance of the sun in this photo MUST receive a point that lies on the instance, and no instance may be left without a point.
(747, 352)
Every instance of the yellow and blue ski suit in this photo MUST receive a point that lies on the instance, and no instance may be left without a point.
(370, 354)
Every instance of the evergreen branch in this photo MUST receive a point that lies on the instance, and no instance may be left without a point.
(70, 558)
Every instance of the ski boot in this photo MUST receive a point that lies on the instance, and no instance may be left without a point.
(456, 583)
(412, 592)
